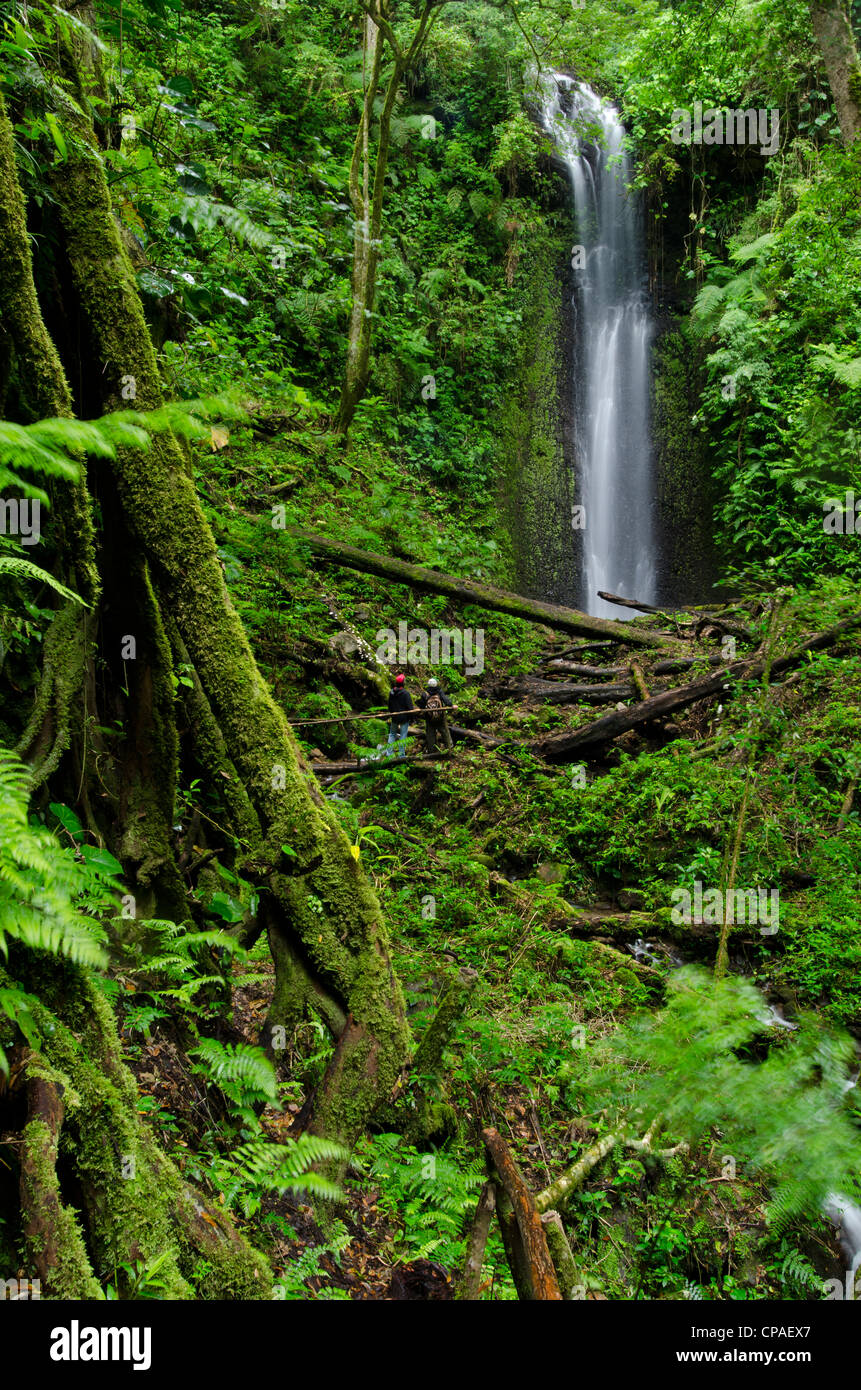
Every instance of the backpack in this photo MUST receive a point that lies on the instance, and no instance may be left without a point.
(434, 702)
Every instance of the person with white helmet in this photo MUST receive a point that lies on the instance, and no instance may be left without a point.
(434, 700)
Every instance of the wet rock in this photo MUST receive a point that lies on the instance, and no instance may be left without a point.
(344, 643)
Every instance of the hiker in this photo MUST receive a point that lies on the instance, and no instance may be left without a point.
(400, 699)
(433, 699)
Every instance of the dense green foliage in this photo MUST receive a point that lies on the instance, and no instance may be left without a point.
(226, 133)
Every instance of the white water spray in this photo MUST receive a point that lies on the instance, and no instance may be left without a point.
(613, 331)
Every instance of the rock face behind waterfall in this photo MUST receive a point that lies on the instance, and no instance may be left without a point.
(613, 336)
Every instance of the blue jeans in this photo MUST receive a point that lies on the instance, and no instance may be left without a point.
(398, 731)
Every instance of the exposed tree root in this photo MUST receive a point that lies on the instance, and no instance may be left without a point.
(135, 1205)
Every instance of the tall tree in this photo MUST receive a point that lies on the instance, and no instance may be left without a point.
(840, 55)
(324, 922)
(367, 188)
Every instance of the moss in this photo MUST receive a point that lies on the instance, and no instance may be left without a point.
(71, 1276)
(536, 433)
(39, 369)
(138, 1207)
(331, 909)
(684, 486)
(48, 733)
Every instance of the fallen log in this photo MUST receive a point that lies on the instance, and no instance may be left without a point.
(560, 747)
(559, 1192)
(733, 629)
(639, 680)
(473, 736)
(473, 591)
(523, 1235)
(684, 663)
(704, 620)
(562, 692)
(579, 647)
(630, 603)
(381, 764)
(574, 668)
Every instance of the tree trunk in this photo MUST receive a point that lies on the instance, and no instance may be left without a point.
(327, 908)
(474, 591)
(470, 1285)
(840, 56)
(522, 1232)
(368, 203)
(358, 334)
(69, 534)
(135, 1205)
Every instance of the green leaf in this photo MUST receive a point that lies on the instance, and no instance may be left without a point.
(67, 819)
(103, 860)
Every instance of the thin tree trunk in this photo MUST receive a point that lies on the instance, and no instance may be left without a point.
(368, 204)
(470, 1286)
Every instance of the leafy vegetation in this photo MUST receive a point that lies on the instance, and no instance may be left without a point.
(296, 1006)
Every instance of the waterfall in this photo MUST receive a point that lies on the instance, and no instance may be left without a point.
(613, 331)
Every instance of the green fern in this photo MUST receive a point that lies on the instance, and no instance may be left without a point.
(797, 1270)
(244, 1074)
(848, 373)
(53, 447)
(204, 214)
(784, 1117)
(16, 568)
(262, 1168)
(430, 1194)
(41, 888)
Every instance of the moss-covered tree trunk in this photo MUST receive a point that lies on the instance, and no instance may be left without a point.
(318, 898)
(96, 1191)
(79, 1117)
(839, 53)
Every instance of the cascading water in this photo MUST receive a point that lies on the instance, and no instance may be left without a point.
(613, 331)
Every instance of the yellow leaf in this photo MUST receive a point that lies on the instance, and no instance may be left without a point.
(220, 439)
(355, 850)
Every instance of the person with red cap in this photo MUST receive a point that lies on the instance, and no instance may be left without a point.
(399, 727)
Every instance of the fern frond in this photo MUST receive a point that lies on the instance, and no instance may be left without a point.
(16, 568)
(237, 1065)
